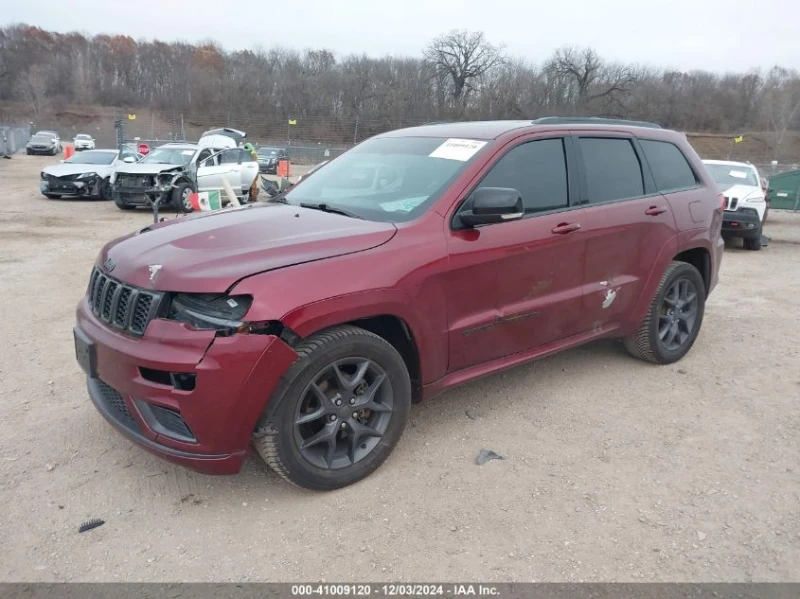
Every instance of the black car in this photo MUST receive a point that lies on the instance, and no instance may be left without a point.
(268, 159)
(42, 144)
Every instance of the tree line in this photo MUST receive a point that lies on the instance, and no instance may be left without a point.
(459, 75)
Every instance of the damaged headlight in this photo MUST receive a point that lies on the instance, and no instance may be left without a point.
(214, 312)
(86, 176)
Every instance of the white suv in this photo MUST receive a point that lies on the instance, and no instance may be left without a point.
(745, 201)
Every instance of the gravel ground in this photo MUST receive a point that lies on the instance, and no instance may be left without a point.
(615, 470)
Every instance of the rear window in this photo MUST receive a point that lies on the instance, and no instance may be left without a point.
(612, 169)
(670, 168)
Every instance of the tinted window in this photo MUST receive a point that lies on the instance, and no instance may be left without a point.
(247, 156)
(670, 168)
(537, 170)
(612, 169)
(203, 155)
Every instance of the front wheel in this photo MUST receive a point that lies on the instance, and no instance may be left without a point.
(181, 197)
(338, 412)
(673, 321)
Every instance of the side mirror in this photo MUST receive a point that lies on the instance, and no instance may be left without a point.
(129, 160)
(493, 205)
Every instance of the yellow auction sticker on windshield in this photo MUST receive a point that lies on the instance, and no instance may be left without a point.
(457, 149)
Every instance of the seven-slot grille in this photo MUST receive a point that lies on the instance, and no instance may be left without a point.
(123, 306)
(731, 203)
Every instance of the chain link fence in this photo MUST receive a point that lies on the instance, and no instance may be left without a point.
(13, 139)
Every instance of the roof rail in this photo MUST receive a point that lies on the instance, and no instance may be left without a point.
(591, 120)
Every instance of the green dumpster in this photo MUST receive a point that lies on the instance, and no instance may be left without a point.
(784, 191)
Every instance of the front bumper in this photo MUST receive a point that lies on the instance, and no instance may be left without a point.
(741, 223)
(268, 169)
(89, 188)
(206, 428)
(47, 151)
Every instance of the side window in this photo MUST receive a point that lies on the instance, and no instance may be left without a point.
(204, 154)
(230, 156)
(537, 170)
(670, 168)
(125, 153)
(247, 156)
(612, 169)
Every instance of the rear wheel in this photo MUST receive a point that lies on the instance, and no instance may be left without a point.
(673, 321)
(753, 244)
(338, 412)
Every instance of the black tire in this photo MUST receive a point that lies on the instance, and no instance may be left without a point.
(52, 196)
(280, 439)
(766, 213)
(104, 189)
(180, 197)
(754, 243)
(647, 344)
(122, 206)
(28, 152)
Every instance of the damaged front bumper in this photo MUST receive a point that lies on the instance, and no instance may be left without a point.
(85, 188)
(185, 395)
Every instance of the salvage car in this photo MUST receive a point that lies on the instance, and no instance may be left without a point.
(268, 159)
(42, 144)
(308, 325)
(745, 200)
(85, 175)
(83, 142)
(170, 173)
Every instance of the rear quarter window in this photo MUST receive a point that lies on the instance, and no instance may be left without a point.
(669, 166)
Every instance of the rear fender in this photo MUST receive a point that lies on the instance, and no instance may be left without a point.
(665, 255)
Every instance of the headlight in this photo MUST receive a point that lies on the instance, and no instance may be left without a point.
(86, 175)
(211, 312)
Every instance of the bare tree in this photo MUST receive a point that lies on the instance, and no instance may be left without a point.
(462, 57)
(32, 87)
(587, 77)
(781, 103)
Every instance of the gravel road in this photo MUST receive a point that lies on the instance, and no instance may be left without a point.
(615, 470)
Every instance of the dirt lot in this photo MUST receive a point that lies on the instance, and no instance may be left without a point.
(615, 470)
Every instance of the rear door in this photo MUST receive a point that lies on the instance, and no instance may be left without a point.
(517, 285)
(629, 223)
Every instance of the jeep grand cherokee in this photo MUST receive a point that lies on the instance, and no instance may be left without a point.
(419, 260)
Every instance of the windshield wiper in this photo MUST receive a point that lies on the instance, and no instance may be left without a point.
(331, 210)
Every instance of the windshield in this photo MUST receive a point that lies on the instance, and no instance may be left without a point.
(82, 136)
(179, 156)
(728, 175)
(42, 139)
(392, 179)
(91, 157)
(267, 152)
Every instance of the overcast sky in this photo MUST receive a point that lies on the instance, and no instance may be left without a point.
(711, 34)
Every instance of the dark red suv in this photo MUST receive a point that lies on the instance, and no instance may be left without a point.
(416, 261)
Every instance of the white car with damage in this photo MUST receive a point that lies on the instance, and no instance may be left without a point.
(745, 200)
(171, 172)
(85, 174)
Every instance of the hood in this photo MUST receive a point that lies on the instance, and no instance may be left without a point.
(138, 168)
(740, 191)
(209, 252)
(62, 170)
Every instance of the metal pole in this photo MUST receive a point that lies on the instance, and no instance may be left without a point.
(355, 132)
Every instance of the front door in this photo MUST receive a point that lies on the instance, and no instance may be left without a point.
(212, 170)
(518, 285)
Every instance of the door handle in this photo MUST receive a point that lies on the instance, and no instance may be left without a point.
(564, 228)
(655, 210)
